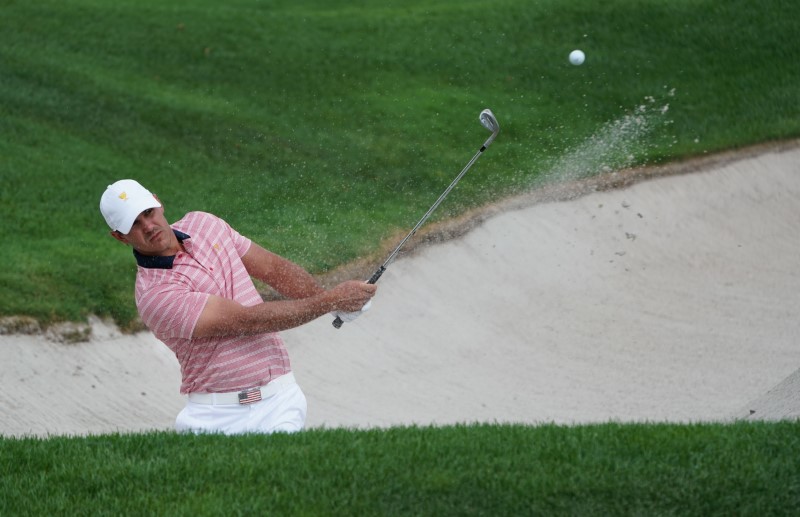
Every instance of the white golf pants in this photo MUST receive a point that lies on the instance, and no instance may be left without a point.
(284, 411)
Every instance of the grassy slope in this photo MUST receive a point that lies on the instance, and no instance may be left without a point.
(320, 128)
(610, 469)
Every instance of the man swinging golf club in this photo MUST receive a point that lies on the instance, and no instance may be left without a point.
(195, 293)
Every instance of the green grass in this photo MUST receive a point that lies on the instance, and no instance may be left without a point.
(608, 469)
(321, 128)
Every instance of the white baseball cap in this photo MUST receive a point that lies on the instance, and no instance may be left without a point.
(123, 201)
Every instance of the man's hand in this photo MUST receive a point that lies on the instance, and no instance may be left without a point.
(352, 296)
(357, 290)
(347, 317)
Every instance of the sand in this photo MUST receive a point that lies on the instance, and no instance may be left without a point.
(672, 298)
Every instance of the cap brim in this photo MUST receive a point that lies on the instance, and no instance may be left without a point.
(136, 209)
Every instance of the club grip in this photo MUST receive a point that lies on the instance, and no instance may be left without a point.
(376, 275)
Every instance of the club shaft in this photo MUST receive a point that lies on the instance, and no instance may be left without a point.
(494, 128)
(337, 323)
(431, 209)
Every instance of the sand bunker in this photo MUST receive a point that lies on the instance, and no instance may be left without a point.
(672, 299)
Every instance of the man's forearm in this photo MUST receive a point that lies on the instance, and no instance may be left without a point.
(223, 317)
(292, 281)
(282, 315)
(286, 277)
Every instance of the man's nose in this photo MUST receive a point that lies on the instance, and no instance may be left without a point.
(148, 225)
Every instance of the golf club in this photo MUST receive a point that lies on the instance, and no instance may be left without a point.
(488, 121)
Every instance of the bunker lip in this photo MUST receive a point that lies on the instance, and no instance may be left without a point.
(637, 296)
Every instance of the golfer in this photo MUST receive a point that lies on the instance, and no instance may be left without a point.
(195, 293)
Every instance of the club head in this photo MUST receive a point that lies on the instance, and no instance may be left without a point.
(489, 121)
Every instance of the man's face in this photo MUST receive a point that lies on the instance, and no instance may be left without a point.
(150, 234)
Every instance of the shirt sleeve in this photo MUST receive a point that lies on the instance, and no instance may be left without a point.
(240, 242)
(171, 310)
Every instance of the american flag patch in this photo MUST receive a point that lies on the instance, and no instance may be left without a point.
(250, 396)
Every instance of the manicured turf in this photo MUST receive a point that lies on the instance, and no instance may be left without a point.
(609, 469)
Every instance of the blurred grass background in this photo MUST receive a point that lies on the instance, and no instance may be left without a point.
(321, 128)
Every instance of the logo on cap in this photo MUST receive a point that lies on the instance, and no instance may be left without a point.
(123, 196)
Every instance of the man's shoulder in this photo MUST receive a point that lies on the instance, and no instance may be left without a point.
(197, 221)
(198, 215)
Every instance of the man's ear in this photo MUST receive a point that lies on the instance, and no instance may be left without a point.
(119, 236)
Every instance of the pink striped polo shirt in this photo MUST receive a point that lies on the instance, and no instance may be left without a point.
(171, 292)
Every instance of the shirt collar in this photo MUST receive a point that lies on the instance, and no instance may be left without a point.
(151, 262)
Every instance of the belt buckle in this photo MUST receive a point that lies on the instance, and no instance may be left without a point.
(249, 396)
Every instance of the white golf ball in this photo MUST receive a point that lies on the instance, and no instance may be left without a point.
(576, 57)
